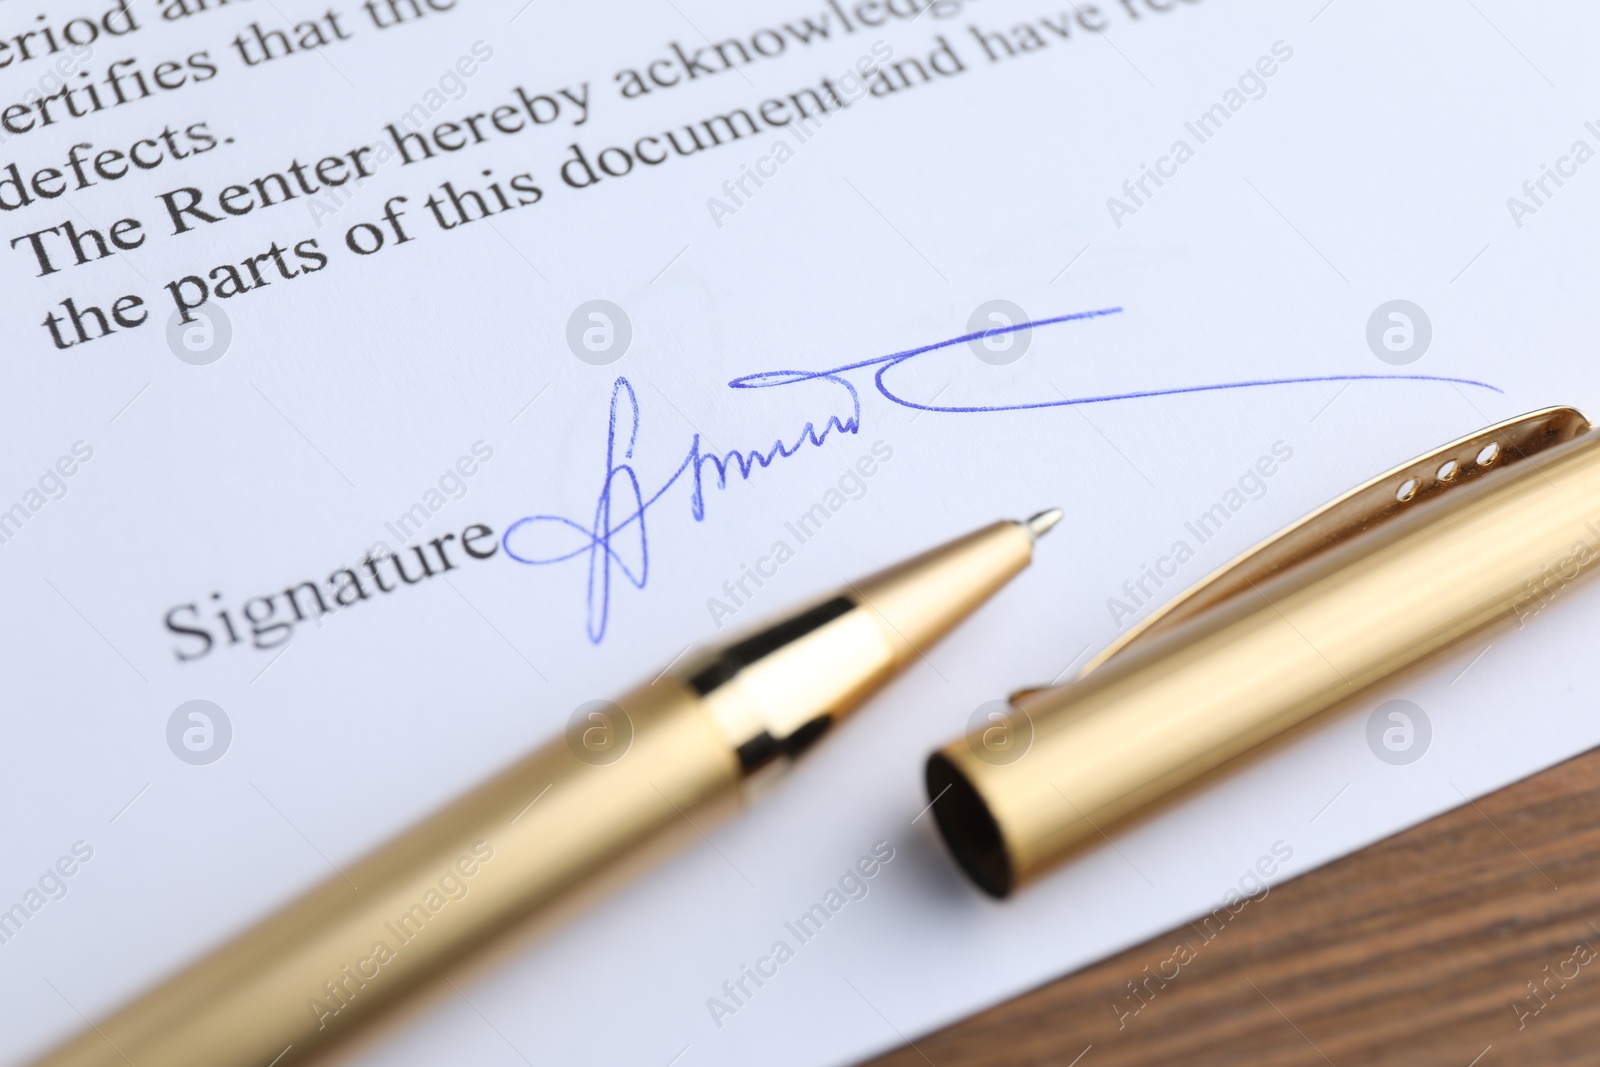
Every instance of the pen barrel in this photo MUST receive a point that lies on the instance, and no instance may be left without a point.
(630, 780)
(1153, 720)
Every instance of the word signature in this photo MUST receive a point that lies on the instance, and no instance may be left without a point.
(614, 541)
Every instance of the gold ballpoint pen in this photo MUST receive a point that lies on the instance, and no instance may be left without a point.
(1485, 531)
(541, 837)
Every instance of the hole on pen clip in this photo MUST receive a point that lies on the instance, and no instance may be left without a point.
(1448, 470)
(1407, 490)
(1488, 454)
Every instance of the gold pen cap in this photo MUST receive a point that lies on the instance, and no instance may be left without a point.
(1482, 532)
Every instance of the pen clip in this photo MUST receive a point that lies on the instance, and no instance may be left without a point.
(1358, 512)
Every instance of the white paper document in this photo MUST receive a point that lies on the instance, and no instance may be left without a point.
(342, 343)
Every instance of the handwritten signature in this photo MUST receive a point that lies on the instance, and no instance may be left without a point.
(615, 543)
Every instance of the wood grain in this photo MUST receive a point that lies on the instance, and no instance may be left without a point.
(1413, 951)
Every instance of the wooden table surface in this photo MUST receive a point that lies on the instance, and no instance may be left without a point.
(1472, 940)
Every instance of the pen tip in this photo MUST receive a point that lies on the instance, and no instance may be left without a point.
(1042, 523)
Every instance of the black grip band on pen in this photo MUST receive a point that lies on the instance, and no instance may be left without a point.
(762, 749)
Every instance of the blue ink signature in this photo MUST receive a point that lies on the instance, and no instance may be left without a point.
(615, 541)
(614, 521)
